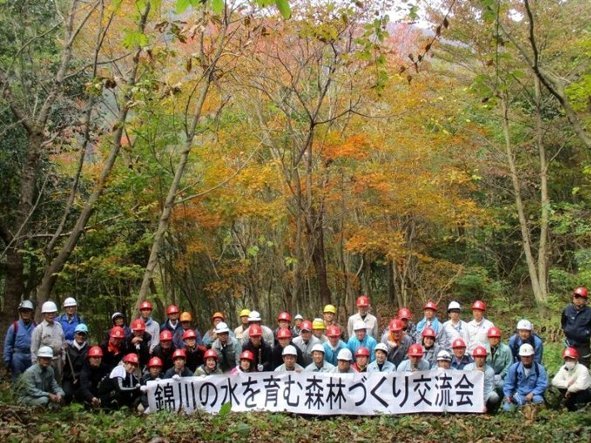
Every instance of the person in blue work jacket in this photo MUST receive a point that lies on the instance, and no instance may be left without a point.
(70, 318)
(17, 343)
(523, 335)
(360, 339)
(334, 344)
(526, 381)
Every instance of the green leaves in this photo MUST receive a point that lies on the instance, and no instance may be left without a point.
(133, 39)
(217, 6)
(283, 7)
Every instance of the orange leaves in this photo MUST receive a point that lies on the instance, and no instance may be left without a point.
(377, 240)
(354, 147)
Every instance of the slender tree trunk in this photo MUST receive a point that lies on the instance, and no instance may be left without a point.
(544, 198)
(319, 260)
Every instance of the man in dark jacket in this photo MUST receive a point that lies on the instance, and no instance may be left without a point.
(92, 374)
(576, 324)
(75, 358)
(261, 350)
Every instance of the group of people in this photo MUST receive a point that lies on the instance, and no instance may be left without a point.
(52, 363)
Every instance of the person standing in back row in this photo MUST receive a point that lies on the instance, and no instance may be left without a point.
(371, 322)
(17, 343)
(576, 324)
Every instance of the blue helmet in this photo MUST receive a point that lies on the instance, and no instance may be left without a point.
(81, 328)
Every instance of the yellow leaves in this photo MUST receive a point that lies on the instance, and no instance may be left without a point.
(355, 147)
(376, 240)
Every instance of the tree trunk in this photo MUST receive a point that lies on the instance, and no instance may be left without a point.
(544, 198)
(319, 259)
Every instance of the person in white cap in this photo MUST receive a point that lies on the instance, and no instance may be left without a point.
(70, 318)
(17, 343)
(343, 366)
(297, 327)
(227, 347)
(361, 338)
(255, 319)
(444, 360)
(381, 364)
(453, 328)
(319, 364)
(289, 360)
(49, 333)
(523, 335)
(526, 381)
(38, 386)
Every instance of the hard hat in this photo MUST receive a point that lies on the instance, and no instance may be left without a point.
(298, 317)
(415, 350)
(245, 313)
(81, 328)
(581, 292)
(479, 305)
(70, 302)
(155, 362)
(345, 354)
(494, 332)
(48, 307)
(131, 358)
(166, 335)
(526, 350)
(395, 325)
(362, 301)
(454, 306)
(117, 332)
(255, 331)
(25, 304)
(479, 351)
(330, 309)
(254, 316)
(145, 305)
(45, 351)
(289, 350)
(284, 316)
(333, 331)
(95, 352)
(404, 314)
(138, 325)
(179, 353)
(284, 333)
(172, 309)
(318, 324)
(381, 347)
(318, 347)
(117, 315)
(443, 355)
(222, 328)
(359, 325)
(524, 325)
(306, 326)
(429, 332)
(247, 355)
(210, 353)
(185, 316)
(188, 334)
(217, 315)
(458, 343)
(430, 305)
(362, 351)
(571, 353)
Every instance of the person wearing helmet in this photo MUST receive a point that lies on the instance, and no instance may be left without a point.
(38, 386)
(343, 366)
(361, 339)
(381, 363)
(290, 355)
(318, 329)
(172, 322)
(429, 320)
(114, 347)
(408, 326)
(283, 321)
(255, 319)
(284, 338)
(334, 344)
(210, 367)
(453, 328)
(179, 368)
(165, 349)
(460, 357)
(153, 372)
(576, 325)
(523, 335)
(194, 352)
(70, 318)
(478, 327)
(123, 386)
(93, 372)
(138, 341)
(430, 349)
(260, 349)
(371, 322)
(297, 327)
(526, 381)
(49, 333)
(306, 341)
(415, 360)
(573, 381)
(75, 354)
(239, 331)
(491, 398)
(228, 348)
(319, 364)
(361, 359)
(17, 342)
(186, 320)
(209, 337)
(118, 319)
(246, 363)
(444, 360)
(152, 326)
(499, 358)
(329, 315)
(397, 342)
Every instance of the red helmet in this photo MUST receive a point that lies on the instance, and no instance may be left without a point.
(189, 333)
(494, 332)
(172, 309)
(284, 333)
(570, 352)
(284, 316)
(146, 305)
(179, 353)
(210, 353)
(138, 325)
(458, 343)
(95, 351)
(580, 291)
(430, 305)
(166, 335)
(362, 352)
(415, 350)
(255, 330)
(131, 358)
(306, 326)
(217, 315)
(479, 351)
(362, 301)
(395, 325)
(479, 304)
(117, 332)
(155, 362)
(247, 355)
(429, 332)
(404, 314)
(333, 331)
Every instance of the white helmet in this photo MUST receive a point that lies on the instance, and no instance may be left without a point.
(381, 347)
(453, 305)
(45, 351)
(525, 325)
(358, 325)
(345, 354)
(254, 316)
(26, 304)
(289, 350)
(222, 327)
(443, 355)
(48, 307)
(70, 302)
(298, 317)
(318, 347)
(526, 350)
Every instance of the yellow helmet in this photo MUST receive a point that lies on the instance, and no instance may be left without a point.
(330, 308)
(186, 316)
(318, 324)
(245, 313)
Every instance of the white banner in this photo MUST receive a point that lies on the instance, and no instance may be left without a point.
(324, 394)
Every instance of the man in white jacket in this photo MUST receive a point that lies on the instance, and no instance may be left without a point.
(573, 381)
